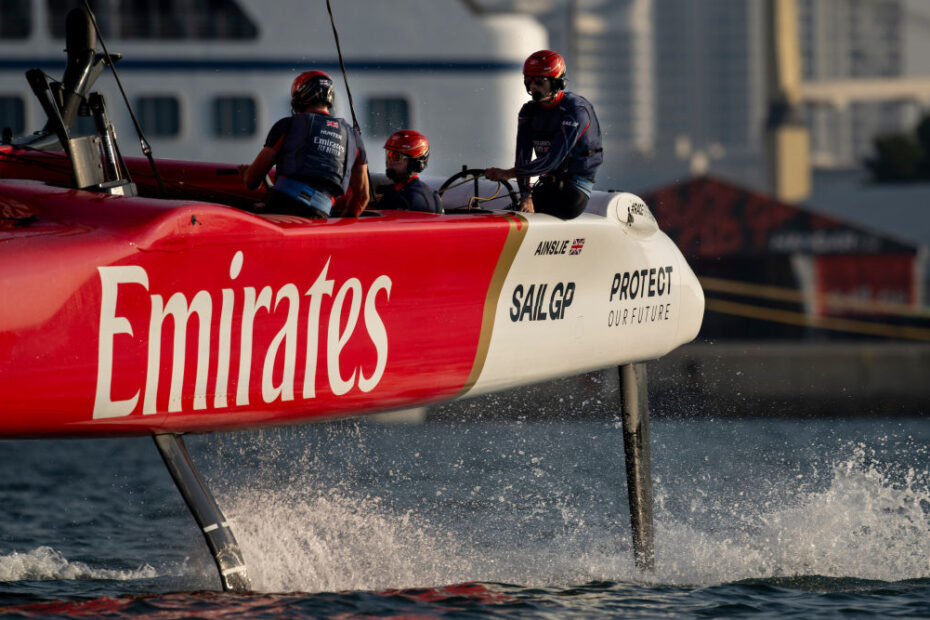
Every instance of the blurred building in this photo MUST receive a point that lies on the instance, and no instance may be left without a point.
(679, 85)
(851, 39)
(710, 80)
(680, 88)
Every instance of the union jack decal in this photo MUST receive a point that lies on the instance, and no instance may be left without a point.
(577, 244)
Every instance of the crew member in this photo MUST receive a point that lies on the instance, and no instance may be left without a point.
(562, 129)
(318, 156)
(406, 155)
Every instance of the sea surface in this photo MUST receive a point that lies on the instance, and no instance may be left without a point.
(467, 518)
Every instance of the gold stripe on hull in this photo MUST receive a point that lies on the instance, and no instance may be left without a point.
(515, 236)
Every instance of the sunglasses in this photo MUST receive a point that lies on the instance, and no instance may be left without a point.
(394, 156)
(535, 81)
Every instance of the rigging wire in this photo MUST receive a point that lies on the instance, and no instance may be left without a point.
(345, 79)
(146, 147)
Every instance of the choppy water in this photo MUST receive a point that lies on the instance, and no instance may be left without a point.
(805, 518)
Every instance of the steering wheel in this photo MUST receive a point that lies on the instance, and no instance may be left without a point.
(467, 175)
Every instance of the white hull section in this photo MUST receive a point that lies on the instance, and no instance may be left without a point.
(607, 288)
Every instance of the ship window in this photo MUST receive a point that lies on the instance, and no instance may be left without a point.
(387, 115)
(160, 19)
(15, 22)
(233, 117)
(13, 114)
(159, 116)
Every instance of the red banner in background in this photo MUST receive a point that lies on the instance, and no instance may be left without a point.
(876, 281)
(711, 218)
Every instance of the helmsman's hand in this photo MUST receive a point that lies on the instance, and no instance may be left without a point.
(497, 174)
(526, 205)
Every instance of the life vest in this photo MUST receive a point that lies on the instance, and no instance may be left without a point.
(318, 146)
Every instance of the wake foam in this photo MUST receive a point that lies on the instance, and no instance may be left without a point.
(869, 521)
(46, 564)
(859, 514)
(335, 542)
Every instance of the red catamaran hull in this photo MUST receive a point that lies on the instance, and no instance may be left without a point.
(129, 315)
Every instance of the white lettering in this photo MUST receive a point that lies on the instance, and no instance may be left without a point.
(321, 287)
(337, 339)
(177, 307)
(225, 346)
(278, 357)
(288, 333)
(110, 326)
(225, 343)
(245, 342)
(376, 332)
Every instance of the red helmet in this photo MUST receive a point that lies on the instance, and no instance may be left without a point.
(413, 145)
(544, 63)
(409, 142)
(312, 87)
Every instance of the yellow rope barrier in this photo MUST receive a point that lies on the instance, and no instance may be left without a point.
(838, 302)
(900, 332)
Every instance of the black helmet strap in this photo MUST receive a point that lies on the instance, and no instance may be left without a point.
(417, 164)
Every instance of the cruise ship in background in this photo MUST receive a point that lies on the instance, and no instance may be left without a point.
(208, 79)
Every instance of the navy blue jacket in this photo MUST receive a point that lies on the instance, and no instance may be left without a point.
(415, 195)
(566, 140)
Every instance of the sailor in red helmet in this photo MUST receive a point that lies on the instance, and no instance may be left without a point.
(406, 155)
(319, 157)
(562, 129)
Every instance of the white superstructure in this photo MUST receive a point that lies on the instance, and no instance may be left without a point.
(209, 87)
